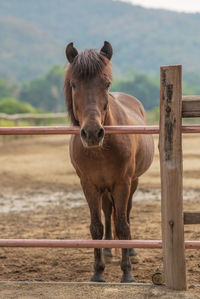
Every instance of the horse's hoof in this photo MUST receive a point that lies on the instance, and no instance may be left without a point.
(107, 252)
(132, 252)
(97, 278)
(127, 278)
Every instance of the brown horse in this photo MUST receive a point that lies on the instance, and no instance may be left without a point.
(108, 165)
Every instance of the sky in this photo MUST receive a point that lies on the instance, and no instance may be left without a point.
(177, 5)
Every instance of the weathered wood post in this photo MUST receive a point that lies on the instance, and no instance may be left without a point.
(170, 146)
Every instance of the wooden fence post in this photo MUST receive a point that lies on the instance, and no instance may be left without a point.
(170, 146)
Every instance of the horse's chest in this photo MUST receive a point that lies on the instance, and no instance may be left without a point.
(102, 167)
(100, 170)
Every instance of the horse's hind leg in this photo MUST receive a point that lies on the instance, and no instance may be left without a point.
(107, 209)
(134, 185)
(96, 228)
(120, 195)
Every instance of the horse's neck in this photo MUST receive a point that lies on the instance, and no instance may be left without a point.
(114, 113)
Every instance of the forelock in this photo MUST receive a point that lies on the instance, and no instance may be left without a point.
(88, 64)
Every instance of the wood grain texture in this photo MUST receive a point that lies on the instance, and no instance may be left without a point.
(170, 146)
(192, 217)
(191, 106)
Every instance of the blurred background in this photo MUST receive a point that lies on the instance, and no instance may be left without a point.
(144, 35)
(40, 193)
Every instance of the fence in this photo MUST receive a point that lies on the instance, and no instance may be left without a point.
(32, 117)
(172, 108)
(29, 119)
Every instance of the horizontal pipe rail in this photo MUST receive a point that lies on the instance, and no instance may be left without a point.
(40, 130)
(54, 130)
(90, 243)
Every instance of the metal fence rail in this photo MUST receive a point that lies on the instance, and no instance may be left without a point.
(90, 243)
(66, 130)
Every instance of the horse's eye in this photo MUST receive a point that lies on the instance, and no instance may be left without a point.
(107, 85)
(73, 85)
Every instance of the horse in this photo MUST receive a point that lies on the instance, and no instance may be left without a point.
(108, 165)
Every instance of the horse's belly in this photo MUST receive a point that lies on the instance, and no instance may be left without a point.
(145, 155)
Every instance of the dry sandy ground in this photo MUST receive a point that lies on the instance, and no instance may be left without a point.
(44, 161)
(85, 291)
(40, 197)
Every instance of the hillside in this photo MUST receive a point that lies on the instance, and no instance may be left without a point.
(34, 33)
(26, 51)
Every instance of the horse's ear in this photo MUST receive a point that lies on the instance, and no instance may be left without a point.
(107, 50)
(71, 52)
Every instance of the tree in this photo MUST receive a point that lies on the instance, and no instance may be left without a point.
(12, 106)
(142, 87)
(7, 89)
(46, 92)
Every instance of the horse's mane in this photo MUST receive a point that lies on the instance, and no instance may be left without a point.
(86, 65)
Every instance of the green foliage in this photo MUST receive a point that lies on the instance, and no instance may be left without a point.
(142, 87)
(46, 92)
(7, 89)
(153, 116)
(12, 106)
(26, 50)
(191, 83)
(12, 123)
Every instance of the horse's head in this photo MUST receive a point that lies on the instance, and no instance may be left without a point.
(87, 83)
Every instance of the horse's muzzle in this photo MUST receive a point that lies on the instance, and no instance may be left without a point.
(92, 135)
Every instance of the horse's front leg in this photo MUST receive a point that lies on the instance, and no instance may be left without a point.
(107, 209)
(134, 185)
(121, 194)
(96, 228)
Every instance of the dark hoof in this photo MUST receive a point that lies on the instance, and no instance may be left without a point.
(132, 252)
(127, 278)
(107, 252)
(97, 278)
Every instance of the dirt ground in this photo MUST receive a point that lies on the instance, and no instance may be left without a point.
(89, 291)
(40, 197)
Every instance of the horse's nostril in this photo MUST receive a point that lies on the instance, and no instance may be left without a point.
(92, 135)
(83, 134)
(101, 133)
